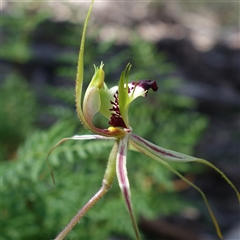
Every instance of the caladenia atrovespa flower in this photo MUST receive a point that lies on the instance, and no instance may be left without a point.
(113, 103)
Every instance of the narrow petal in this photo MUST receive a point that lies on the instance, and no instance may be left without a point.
(80, 137)
(123, 180)
(172, 156)
(75, 137)
(90, 137)
(151, 155)
(221, 173)
(160, 152)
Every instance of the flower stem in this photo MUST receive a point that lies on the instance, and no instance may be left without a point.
(81, 213)
(106, 184)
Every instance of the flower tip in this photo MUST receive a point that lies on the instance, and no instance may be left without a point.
(147, 84)
(141, 87)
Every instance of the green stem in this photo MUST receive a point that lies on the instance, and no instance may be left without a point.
(106, 184)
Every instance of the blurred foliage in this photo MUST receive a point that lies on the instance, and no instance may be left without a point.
(15, 29)
(32, 207)
(18, 113)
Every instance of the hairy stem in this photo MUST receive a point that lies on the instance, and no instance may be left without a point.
(106, 184)
(81, 213)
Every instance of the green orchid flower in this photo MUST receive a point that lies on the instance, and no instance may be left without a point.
(113, 103)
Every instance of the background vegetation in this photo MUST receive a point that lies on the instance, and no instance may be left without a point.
(38, 110)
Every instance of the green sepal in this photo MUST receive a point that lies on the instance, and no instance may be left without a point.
(123, 96)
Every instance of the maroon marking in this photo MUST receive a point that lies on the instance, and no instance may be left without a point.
(116, 119)
(156, 149)
(147, 84)
(120, 166)
(122, 178)
(127, 198)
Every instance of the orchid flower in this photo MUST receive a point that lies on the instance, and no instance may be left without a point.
(113, 103)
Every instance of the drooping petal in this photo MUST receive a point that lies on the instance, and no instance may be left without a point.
(81, 137)
(203, 161)
(190, 183)
(123, 179)
(163, 155)
(75, 137)
(146, 151)
(160, 152)
(172, 156)
(90, 137)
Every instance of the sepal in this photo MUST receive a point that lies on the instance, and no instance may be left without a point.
(123, 182)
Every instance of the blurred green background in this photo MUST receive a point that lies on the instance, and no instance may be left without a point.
(40, 44)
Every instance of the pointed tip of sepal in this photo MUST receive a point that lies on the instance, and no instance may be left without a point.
(200, 160)
(50, 151)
